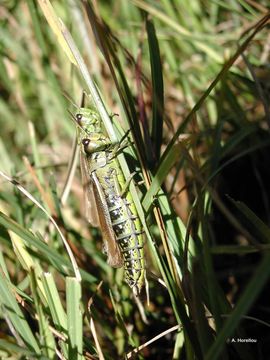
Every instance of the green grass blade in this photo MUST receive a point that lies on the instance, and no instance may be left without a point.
(8, 348)
(169, 149)
(56, 309)
(45, 334)
(157, 84)
(15, 315)
(250, 294)
(255, 222)
(74, 319)
(31, 240)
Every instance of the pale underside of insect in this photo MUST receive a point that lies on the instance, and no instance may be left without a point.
(109, 206)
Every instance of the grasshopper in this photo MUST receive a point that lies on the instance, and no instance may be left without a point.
(109, 202)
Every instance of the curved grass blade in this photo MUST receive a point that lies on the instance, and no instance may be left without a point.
(257, 28)
(33, 241)
(27, 194)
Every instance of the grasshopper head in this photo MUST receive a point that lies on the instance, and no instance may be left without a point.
(88, 120)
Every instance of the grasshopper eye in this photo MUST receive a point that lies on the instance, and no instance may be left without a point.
(78, 118)
(86, 143)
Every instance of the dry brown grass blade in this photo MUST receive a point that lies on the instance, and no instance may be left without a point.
(159, 336)
(92, 325)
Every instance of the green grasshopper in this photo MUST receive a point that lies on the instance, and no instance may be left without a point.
(109, 202)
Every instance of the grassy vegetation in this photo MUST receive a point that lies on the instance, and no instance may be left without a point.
(190, 80)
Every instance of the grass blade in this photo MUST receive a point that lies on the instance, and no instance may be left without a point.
(157, 84)
(13, 312)
(74, 319)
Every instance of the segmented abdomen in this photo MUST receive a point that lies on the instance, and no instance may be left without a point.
(127, 228)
